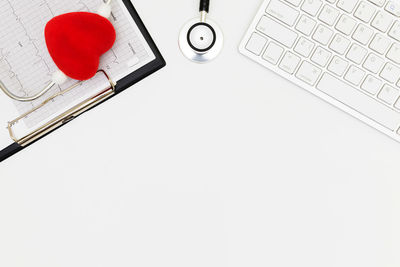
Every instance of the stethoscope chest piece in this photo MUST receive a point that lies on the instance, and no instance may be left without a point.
(201, 40)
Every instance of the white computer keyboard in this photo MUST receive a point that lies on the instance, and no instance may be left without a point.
(345, 51)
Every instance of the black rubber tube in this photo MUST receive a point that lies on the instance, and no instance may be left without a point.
(204, 5)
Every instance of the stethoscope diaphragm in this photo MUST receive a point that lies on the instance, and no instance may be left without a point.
(201, 41)
(201, 37)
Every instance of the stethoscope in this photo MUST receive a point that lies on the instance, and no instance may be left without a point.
(201, 40)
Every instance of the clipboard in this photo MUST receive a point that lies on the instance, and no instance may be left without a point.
(115, 88)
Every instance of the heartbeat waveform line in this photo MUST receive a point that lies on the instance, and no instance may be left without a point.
(45, 3)
(115, 60)
(11, 74)
(31, 41)
(22, 48)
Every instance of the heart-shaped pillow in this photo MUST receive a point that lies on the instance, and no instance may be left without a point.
(76, 42)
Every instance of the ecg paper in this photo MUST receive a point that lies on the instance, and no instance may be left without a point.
(26, 66)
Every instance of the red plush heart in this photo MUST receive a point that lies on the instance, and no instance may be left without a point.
(76, 42)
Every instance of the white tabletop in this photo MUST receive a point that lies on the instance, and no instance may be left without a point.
(224, 164)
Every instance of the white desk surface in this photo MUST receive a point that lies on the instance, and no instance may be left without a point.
(223, 164)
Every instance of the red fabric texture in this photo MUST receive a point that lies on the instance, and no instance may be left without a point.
(76, 42)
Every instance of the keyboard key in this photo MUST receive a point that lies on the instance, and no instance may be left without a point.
(356, 53)
(289, 62)
(308, 73)
(388, 94)
(379, 3)
(390, 73)
(373, 63)
(322, 34)
(305, 25)
(395, 31)
(363, 34)
(294, 2)
(393, 7)
(277, 31)
(382, 21)
(394, 53)
(282, 12)
(338, 66)
(380, 44)
(354, 75)
(339, 44)
(371, 85)
(365, 105)
(397, 106)
(346, 24)
(328, 15)
(304, 47)
(365, 11)
(331, 1)
(256, 44)
(321, 56)
(273, 53)
(347, 5)
(311, 6)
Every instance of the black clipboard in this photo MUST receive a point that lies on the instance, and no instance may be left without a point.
(119, 86)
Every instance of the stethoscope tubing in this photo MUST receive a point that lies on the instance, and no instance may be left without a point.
(204, 5)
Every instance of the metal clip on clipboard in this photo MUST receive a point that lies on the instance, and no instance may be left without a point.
(63, 118)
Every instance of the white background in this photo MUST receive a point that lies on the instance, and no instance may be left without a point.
(224, 164)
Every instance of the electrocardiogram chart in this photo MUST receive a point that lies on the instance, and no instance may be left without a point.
(26, 66)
